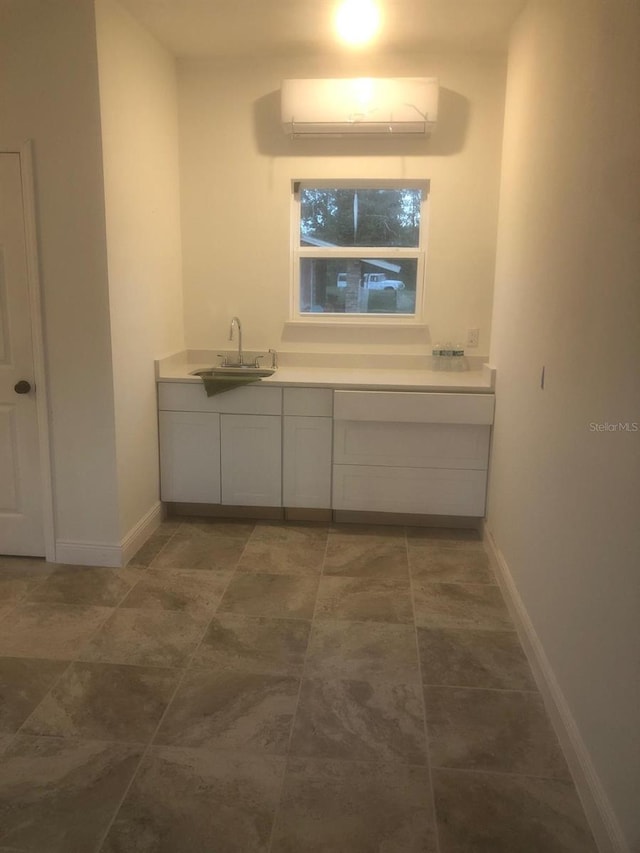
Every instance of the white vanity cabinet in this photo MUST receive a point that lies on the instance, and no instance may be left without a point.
(306, 442)
(411, 452)
(416, 452)
(223, 449)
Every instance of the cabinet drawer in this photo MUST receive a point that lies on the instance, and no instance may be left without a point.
(413, 407)
(308, 402)
(410, 444)
(191, 397)
(432, 491)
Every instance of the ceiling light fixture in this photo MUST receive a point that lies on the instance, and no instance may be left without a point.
(357, 22)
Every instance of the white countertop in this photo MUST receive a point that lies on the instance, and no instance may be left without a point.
(178, 368)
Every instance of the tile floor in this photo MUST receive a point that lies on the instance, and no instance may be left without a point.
(267, 687)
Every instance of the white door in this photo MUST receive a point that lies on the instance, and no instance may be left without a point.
(21, 517)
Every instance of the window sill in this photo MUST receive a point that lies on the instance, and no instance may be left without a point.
(387, 322)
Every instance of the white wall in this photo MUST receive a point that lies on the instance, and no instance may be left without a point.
(236, 170)
(49, 94)
(140, 143)
(563, 499)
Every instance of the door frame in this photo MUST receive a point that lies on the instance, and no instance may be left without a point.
(24, 150)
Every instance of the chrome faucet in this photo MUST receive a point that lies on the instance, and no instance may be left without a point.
(236, 321)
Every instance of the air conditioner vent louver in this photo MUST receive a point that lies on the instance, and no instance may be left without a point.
(363, 106)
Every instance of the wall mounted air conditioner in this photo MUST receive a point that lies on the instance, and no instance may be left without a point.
(364, 105)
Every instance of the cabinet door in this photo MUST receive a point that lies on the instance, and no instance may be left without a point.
(251, 457)
(306, 468)
(190, 457)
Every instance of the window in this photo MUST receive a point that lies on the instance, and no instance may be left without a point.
(358, 250)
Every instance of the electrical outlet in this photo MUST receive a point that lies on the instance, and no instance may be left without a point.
(473, 337)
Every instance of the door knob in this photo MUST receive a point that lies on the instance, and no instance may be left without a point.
(22, 387)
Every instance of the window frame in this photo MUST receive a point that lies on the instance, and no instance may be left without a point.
(299, 252)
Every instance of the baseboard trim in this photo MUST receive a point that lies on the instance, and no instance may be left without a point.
(602, 820)
(109, 555)
(88, 554)
(138, 535)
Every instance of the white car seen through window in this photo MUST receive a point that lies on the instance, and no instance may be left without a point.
(373, 281)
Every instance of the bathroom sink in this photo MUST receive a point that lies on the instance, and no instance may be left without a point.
(217, 380)
(247, 371)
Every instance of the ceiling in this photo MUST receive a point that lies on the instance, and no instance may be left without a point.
(197, 28)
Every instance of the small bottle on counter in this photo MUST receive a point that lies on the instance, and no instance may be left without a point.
(436, 353)
(447, 355)
(457, 357)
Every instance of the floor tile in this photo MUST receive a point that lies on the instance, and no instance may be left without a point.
(200, 550)
(231, 710)
(23, 684)
(494, 813)
(354, 807)
(289, 558)
(233, 528)
(49, 630)
(300, 533)
(445, 537)
(20, 575)
(496, 730)
(245, 661)
(58, 796)
(376, 531)
(460, 605)
(363, 650)
(85, 585)
(366, 557)
(146, 638)
(154, 545)
(168, 526)
(197, 801)
(105, 702)
(361, 599)
(4, 609)
(271, 595)
(473, 658)
(360, 721)
(253, 644)
(450, 565)
(196, 593)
